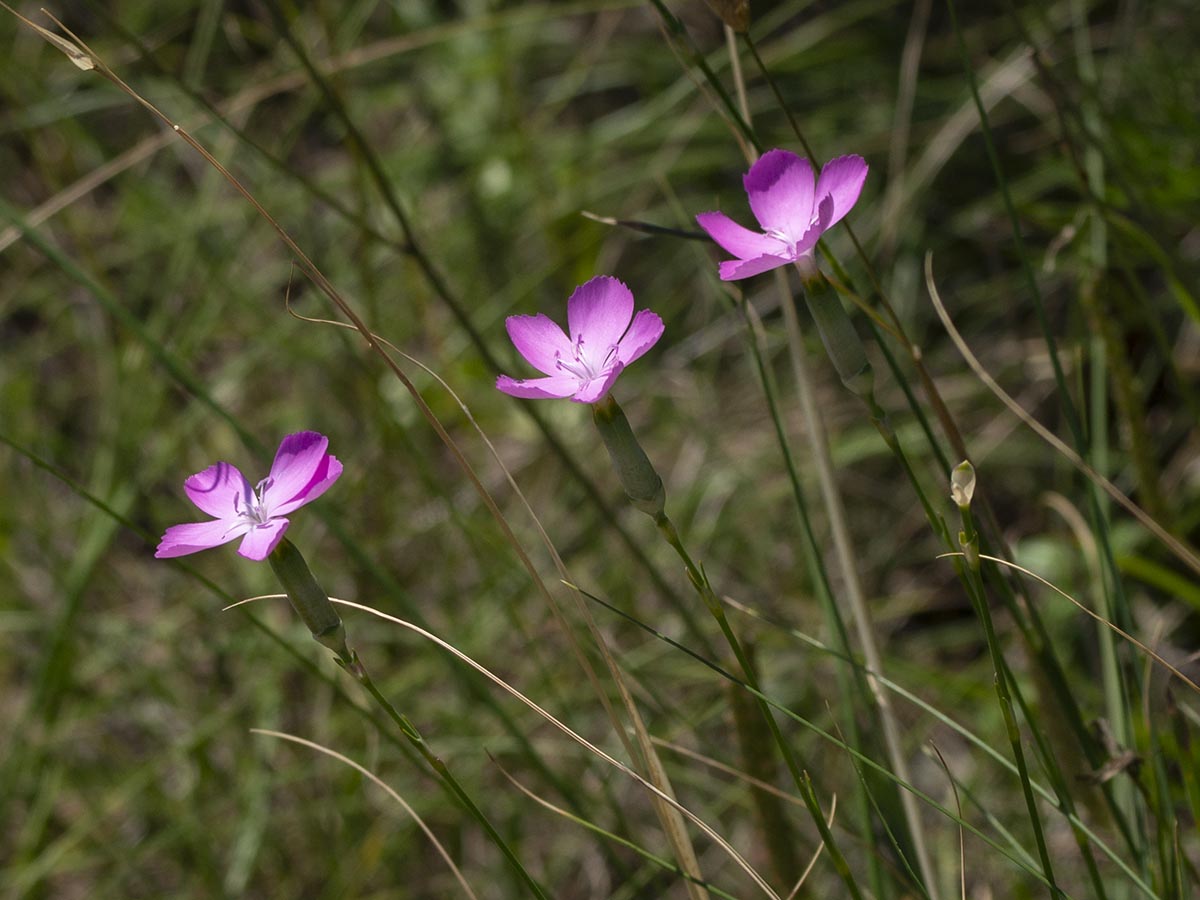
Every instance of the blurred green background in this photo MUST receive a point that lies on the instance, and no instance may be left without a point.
(144, 335)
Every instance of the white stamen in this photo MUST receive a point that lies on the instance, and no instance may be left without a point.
(257, 513)
(581, 366)
(786, 239)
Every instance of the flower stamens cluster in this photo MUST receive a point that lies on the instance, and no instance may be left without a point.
(581, 366)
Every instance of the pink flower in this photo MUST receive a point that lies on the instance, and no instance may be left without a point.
(792, 211)
(302, 471)
(605, 337)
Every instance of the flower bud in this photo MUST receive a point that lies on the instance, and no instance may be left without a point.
(962, 484)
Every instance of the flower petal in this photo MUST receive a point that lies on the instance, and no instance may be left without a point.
(643, 334)
(598, 313)
(842, 179)
(539, 339)
(302, 462)
(180, 540)
(260, 540)
(780, 189)
(598, 387)
(329, 471)
(538, 388)
(220, 490)
(737, 269)
(810, 238)
(741, 242)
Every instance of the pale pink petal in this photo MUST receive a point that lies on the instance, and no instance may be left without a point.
(780, 189)
(181, 540)
(842, 179)
(810, 238)
(643, 334)
(260, 540)
(599, 312)
(741, 242)
(737, 269)
(220, 490)
(300, 462)
(540, 340)
(538, 388)
(598, 387)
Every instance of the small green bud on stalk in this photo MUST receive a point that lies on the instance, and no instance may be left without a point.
(309, 600)
(962, 489)
(962, 484)
(638, 476)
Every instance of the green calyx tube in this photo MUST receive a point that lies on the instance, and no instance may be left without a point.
(842, 343)
(638, 476)
(308, 598)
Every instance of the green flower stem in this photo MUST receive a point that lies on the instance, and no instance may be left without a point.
(962, 490)
(313, 606)
(962, 487)
(409, 730)
(1116, 605)
(800, 776)
(758, 761)
(187, 379)
(680, 43)
(645, 490)
(850, 683)
(1026, 618)
(1009, 583)
(845, 349)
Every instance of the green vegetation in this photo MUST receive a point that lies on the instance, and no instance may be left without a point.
(1033, 169)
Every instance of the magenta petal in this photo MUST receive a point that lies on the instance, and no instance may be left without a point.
(824, 213)
(741, 242)
(842, 179)
(643, 334)
(598, 387)
(599, 312)
(540, 340)
(780, 189)
(220, 490)
(328, 471)
(538, 388)
(180, 540)
(737, 269)
(260, 540)
(300, 459)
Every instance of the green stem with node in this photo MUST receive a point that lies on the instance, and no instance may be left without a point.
(645, 490)
(314, 607)
(962, 488)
